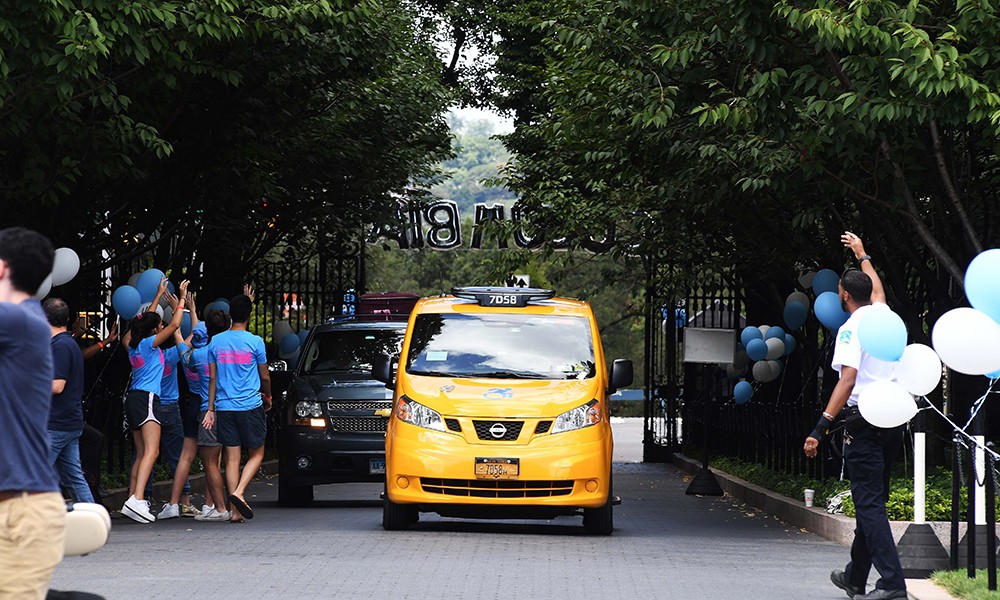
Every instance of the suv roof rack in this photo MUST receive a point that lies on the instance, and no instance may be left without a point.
(502, 296)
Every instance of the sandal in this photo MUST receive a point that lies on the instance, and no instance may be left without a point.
(241, 505)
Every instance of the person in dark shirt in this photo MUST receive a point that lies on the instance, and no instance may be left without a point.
(31, 508)
(66, 416)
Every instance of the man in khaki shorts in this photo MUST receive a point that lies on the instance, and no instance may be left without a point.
(32, 511)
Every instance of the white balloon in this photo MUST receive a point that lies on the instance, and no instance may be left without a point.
(763, 329)
(280, 330)
(761, 371)
(968, 341)
(799, 297)
(806, 279)
(886, 404)
(44, 289)
(168, 314)
(144, 308)
(775, 367)
(133, 279)
(918, 370)
(775, 348)
(65, 267)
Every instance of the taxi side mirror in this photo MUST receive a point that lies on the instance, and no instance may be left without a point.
(382, 370)
(621, 375)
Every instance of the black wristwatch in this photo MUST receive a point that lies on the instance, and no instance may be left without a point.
(862, 259)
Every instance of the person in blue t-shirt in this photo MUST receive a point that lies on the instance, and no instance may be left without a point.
(66, 416)
(31, 508)
(240, 389)
(197, 370)
(146, 334)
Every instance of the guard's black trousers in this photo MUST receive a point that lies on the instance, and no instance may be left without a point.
(870, 457)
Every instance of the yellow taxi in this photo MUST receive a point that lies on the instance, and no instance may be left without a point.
(500, 410)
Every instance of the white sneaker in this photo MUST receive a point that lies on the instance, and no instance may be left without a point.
(170, 511)
(138, 510)
(215, 516)
(205, 509)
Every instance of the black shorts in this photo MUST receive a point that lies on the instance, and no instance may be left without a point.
(189, 415)
(141, 407)
(208, 437)
(246, 428)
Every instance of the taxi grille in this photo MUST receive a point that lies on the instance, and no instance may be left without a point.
(543, 427)
(502, 488)
(513, 430)
(342, 405)
(360, 424)
(453, 425)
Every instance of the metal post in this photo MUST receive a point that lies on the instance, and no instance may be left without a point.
(920, 468)
(970, 532)
(991, 522)
(955, 491)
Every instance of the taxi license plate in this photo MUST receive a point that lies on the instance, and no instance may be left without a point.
(497, 468)
(376, 466)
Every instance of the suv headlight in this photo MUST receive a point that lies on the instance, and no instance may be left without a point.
(578, 418)
(415, 413)
(308, 409)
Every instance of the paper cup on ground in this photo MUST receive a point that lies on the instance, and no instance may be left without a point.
(810, 494)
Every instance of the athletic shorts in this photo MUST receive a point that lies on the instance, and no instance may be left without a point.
(207, 437)
(189, 415)
(246, 428)
(141, 407)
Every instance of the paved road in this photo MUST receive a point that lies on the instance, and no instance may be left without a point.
(666, 545)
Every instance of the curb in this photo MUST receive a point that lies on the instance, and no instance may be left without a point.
(115, 498)
(836, 528)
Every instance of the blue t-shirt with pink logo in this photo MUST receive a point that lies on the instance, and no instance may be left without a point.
(237, 354)
(147, 366)
(169, 390)
(196, 373)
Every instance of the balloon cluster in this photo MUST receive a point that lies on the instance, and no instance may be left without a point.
(136, 297)
(289, 343)
(64, 268)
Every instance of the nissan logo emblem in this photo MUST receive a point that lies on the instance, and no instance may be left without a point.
(498, 430)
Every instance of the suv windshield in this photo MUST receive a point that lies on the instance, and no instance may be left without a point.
(350, 350)
(501, 346)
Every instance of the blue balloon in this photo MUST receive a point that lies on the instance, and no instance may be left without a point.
(789, 344)
(796, 314)
(749, 334)
(126, 301)
(829, 312)
(826, 280)
(982, 283)
(774, 332)
(289, 344)
(742, 392)
(882, 334)
(303, 336)
(170, 288)
(757, 349)
(994, 375)
(148, 283)
(186, 325)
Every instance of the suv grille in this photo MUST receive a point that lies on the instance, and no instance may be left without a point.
(342, 405)
(360, 424)
(513, 430)
(501, 488)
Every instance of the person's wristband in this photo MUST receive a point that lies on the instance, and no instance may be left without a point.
(822, 426)
(862, 259)
(100, 345)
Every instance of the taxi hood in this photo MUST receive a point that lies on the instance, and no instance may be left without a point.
(500, 398)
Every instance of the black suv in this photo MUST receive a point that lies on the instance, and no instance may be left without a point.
(334, 415)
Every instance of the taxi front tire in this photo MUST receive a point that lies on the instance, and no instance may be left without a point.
(397, 517)
(601, 520)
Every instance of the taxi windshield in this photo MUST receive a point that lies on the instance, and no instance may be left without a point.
(501, 346)
(349, 350)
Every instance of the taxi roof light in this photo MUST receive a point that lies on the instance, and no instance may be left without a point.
(502, 296)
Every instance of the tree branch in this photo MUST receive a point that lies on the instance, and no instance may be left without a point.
(949, 187)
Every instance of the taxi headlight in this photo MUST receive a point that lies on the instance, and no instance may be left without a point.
(308, 409)
(415, 413)
(578, 418)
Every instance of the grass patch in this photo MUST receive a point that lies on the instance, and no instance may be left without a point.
(959, 585)
(626, 408)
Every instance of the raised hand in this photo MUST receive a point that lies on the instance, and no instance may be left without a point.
(853, 242)
(249, 291)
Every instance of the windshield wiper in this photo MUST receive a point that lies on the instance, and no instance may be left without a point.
(499, 375)
(428, 373)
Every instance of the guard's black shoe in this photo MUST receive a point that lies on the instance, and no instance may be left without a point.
(884, 595)
(839, 579)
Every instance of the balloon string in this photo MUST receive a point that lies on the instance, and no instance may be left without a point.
(960, 433)
(978, 404)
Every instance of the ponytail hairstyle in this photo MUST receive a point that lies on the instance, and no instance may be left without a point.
(142, 327)
(217, 322)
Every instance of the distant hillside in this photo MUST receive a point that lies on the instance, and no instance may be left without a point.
(478, 158)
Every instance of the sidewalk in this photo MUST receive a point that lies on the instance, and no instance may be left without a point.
(836, 528)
